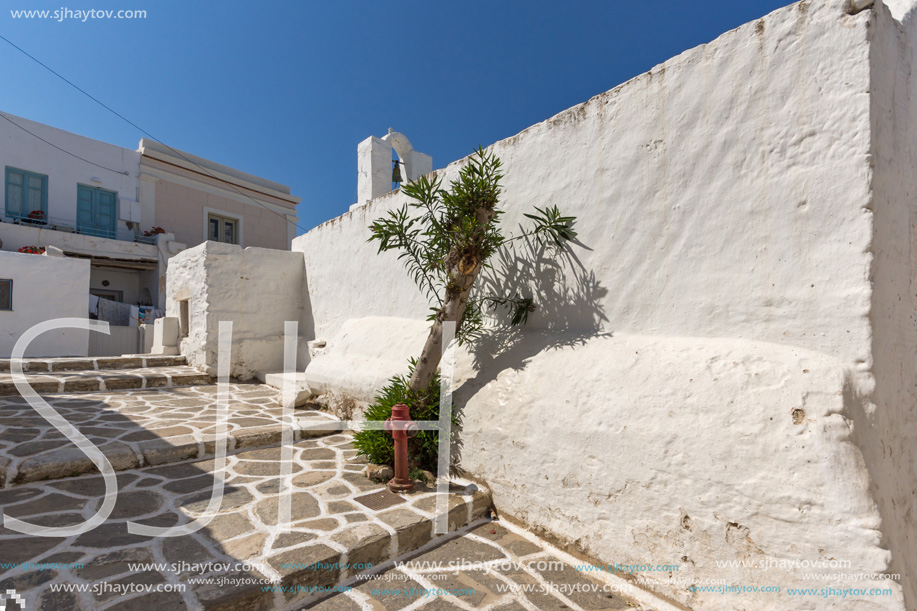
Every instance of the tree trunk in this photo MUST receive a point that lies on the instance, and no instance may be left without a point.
(463, 271)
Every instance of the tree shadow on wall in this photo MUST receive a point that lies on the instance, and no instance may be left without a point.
(568, 312)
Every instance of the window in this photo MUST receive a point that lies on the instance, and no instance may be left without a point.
(6, 294)
(222, 229)
(184, 317)
(26, 195)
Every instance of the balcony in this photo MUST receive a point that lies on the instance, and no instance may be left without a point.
(41, 220)
(16, 233)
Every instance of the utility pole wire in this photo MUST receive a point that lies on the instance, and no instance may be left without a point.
(141, 130)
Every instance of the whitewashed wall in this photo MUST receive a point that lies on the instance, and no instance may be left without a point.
(720, 194)
(729, 206)
(45, 288)
(887, 427)
(257, 289)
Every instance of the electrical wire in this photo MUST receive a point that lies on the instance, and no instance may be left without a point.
(63, 150)
(143, 131)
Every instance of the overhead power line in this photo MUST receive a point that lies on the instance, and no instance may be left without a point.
(143, 131)
(63, 150)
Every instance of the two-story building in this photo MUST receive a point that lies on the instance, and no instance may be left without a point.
(124, 211)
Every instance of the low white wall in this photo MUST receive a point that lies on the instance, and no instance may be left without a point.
(681, 451)
(365, 354)
(257, 289)
(730, 196)
(45, 288)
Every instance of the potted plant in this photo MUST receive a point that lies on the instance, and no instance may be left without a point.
(36, 217)
(33, 250)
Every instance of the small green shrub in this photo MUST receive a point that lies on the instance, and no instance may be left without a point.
(379, 447)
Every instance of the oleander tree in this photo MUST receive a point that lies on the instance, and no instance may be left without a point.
(445, 238)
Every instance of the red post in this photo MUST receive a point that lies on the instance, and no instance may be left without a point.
(401, 427)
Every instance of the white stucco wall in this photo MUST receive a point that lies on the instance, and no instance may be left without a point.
(45, 288)
(127, 282)
(713, 193)
(887, 426)
(345, 279)
(684, 451)
(257, 289)
(395, 341)
(723, 368)
(731, 196)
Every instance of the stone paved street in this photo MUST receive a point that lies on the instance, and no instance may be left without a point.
(121, 379)
(329, 527)
(102, 373)
(95, 363)
(161, 442)
(135, 428)
(490, 566)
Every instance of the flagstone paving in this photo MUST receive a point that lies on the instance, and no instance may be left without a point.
(330, 532)
(136, 361)
(489, 566)
(161, 439)
(108, 379)
(137, 428)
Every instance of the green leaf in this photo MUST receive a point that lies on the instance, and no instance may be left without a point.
(423, 450)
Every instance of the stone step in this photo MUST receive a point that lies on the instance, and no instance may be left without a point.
(135, 428)
(96, 380)
(333, 535)
(489, 565)
(130, 361)
(301, 394)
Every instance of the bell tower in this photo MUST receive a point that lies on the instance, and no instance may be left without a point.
(374, 164)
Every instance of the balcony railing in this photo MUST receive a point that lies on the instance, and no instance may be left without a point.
(43, 221)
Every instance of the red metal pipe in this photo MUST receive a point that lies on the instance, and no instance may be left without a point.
(401, 428)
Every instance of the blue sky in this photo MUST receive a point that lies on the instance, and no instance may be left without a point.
(287, 90)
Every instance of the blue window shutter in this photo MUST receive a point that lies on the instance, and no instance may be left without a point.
(106, 213)
(44, 194)
(15, 192)
(85, 219)
(36, 194)
(25, 192)
(96, 211)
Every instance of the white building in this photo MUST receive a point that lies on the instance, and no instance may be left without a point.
(124, 211)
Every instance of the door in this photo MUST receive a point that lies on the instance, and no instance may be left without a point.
(96, 211)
